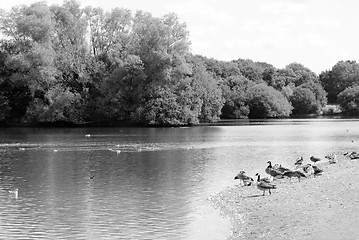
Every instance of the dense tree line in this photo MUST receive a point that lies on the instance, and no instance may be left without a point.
(69, 63)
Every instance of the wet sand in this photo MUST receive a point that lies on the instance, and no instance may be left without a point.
(325, 207)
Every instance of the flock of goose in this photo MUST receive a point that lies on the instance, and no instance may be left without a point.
(299, 171)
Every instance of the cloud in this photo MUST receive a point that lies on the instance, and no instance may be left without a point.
(283, 7)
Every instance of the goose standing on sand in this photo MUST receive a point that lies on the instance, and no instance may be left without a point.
(244, 178)
(280, 168)
(308, 170)
(317, 171)
(298, 162)
(265, 179)
(332, 158)
(314, 159)
(297, 174)
(352, 155)
(264, 186)
(273, 172)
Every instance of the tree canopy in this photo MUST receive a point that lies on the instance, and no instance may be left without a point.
(82, 64)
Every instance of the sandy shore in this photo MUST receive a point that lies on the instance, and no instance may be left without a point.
(325, 207)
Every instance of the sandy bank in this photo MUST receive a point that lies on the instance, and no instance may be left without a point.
(325, 207)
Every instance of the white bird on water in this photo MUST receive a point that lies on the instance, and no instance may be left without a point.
(118, 151)
(14, 193)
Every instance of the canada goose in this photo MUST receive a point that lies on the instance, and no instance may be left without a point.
(266, 179)
(308, 169)
(280, 168)
(264, 186)
(297, 174)
(317, 171)
(14, 193)
(273, 172)
(314, 159)
(332, 158)
(352, 155)
(244, 178)
(298, 162)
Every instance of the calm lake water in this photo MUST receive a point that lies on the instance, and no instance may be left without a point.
(151, 183)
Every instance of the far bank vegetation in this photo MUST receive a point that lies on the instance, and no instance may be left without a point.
(83, 64)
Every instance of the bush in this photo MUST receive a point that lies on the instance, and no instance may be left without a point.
(266, 102)
(303, 101)
(349, 101)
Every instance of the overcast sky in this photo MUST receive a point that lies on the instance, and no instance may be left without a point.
(315, 33)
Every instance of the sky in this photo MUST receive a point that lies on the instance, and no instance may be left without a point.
(315, 33)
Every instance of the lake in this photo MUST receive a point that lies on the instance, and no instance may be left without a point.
(144, 183)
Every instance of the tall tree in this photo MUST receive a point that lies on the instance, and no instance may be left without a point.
(342, 75)
(31, 60)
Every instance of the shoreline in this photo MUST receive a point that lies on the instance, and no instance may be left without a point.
(325, 207)
(222, 122)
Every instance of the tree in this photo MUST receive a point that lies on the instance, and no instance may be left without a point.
(59, 104)
(344, 74)
(349, 101)
(303, 101)
(234, 92)
(110, 33)
(266, 102)
(319, 94)
(251, 70)
(29, 61)
(70, 45)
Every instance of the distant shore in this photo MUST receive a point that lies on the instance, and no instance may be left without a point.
(222, 122)
(325, 207)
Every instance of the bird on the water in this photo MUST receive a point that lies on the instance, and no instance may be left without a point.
(14, 193)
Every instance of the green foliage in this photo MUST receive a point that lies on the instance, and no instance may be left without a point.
(303, 101)
(58, 105)
(251, 70)
(344, 74)
(4, 106)
(319, 93)
(234, 92)
(349, 101)
(68, 63)
(266, 102)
